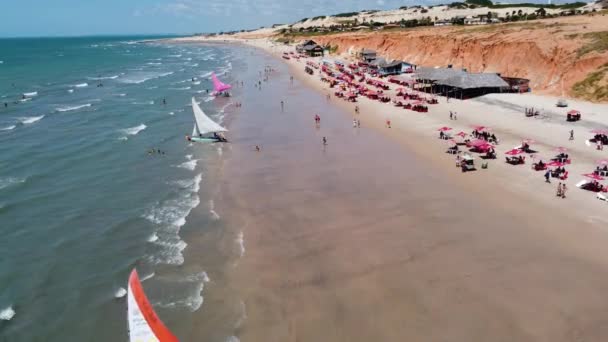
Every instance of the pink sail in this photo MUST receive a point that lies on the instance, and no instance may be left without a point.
(218, 86)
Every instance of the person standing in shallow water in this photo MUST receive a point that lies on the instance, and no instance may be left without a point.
(282, 105)
(324, 141)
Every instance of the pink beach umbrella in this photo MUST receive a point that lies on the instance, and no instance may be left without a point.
(514, 152)
(461, 134)
(599, 131)
(444, 129)
(555, 164)
(594, 176)
(602, 162)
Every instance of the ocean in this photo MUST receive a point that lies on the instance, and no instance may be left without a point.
(83, 199)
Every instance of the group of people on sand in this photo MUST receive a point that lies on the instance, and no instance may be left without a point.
(453, 115)
(531, 112)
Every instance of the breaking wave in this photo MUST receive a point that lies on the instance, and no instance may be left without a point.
(143, 77)
(34, 93)
(30, 119)
(134, 130)
(8, 128)
(81, 85)
(98, 78)
(7, 314)
(71, 108)
(8, 181)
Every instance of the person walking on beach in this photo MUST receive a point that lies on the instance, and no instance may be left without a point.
(357, 109)
(451, 115)
(388, 123)
(291, 79)
(559, 190)
(282, 105)
(354, 123)
(324, 141)
(571, 134)
(548, 176)
(455, 116)
(257, 148)
(358, 123)
(564, 190)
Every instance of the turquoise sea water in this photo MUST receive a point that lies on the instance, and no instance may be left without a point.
(82, 201)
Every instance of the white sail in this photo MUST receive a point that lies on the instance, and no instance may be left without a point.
(144, 324)
(203, 123)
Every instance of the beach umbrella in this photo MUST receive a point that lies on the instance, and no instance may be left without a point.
(444, 129)
(514, 152)
(479, 128)
(461, 134)
(599, 131)
(561, 149)
(452, 142)
(602, 162)
(477, 142)
(555, 164)
(594, 176)
(416, 103)
(573, 112)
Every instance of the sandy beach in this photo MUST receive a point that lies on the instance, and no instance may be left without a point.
(378, 236)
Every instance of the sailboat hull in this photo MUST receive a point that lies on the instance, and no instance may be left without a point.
(197, 139)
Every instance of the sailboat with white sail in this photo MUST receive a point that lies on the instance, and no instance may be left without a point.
(205, 129)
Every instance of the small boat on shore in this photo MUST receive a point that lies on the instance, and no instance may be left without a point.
(144, 324)
(205, 129)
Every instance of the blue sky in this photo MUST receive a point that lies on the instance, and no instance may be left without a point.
(87, 17)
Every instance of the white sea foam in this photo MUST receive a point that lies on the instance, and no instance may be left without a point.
(188, 59)
(207, 74)
(209, 98)
(195, 299)
(143, 103)
(70, 90)
(176, 56)
(26, 99)
(143, 77)
(153, 238)
(32, 94)
(189, 165)
(152, 63)
(188, 156)
(182, 88)
(1, 62)
(99, 78)
(120, 292)
(7, 314)
(196, 82)
(214, 215)
(8, 181)
(81, 85)
(147, 276)
(134, 130)
(171, 215)
(30, 119)
(171, 113)
(8, 128)
(71, 108)
(240, 240)
(120, 95)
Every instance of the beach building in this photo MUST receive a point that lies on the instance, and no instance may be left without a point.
(467, 85)
(385, 67)
(367, 55)
(310, 48)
